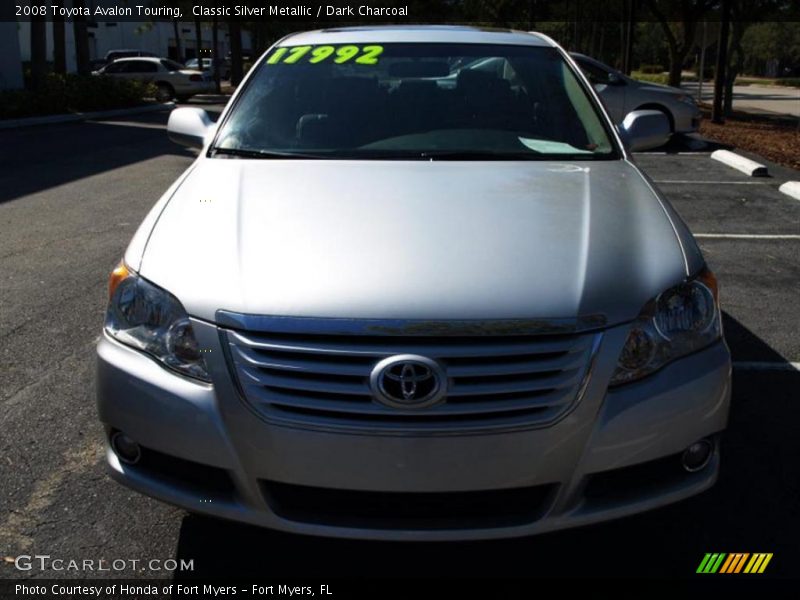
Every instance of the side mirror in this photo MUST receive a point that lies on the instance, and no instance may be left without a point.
(614, 79)
(645, 129)
(189, 126)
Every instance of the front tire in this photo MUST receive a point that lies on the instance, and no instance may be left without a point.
(164, 92)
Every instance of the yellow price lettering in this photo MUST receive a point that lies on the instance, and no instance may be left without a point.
(289, 55)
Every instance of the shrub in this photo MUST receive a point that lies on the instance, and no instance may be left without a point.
(73, 93)
(788, 81)
(661, 78)
(708, 71)
(651, 69)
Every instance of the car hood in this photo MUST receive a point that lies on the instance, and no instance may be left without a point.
(414, 240)
(646, 86)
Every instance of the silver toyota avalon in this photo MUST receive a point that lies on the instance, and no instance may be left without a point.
(405, 292)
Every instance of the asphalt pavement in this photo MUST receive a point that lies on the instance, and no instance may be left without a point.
(763, 99)
(72, 195)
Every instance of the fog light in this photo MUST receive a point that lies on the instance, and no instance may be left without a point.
(125, 448)
(696, 456)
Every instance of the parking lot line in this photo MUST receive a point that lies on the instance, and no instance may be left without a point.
(690, 153)
(746, 236)
(137, 124)
(689, 181)
(766, 366)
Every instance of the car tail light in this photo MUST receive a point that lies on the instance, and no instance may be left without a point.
(195, 78)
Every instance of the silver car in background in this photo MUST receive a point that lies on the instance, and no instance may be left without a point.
(622, 94)
(172, 79)
(400, 297)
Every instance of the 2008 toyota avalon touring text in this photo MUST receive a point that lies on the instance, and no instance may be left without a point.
(414, 288)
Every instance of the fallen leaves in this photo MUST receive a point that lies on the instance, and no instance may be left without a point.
(777, 141)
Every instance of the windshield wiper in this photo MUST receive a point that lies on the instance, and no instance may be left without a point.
(477, 155)
(260, 154)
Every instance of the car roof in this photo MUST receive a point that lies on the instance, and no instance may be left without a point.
(586, 58)
(140, 58)
(455, 34)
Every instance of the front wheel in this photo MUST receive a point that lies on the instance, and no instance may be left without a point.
(164, 92)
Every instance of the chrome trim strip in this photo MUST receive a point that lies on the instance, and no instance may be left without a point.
(407, 327)
(587, 376)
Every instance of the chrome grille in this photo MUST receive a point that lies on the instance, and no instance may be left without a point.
(494, 381)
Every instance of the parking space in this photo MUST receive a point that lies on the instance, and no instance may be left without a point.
(716, 199)
(750, 235)
(66, 225)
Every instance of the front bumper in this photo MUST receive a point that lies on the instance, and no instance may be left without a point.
(616, 453)
(687, 117)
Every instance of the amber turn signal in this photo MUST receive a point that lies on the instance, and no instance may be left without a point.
(120, 273)
(710, 281)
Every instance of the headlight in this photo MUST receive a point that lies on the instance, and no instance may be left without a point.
(681, 320)
(152, 320)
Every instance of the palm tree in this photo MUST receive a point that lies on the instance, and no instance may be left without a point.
(59, 45)
(38, 51)
(178, 50)
(198, 41)
(235, 31)
(215, 52)
(81, 33)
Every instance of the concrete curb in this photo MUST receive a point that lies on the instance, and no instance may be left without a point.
(740, 163)
(104, 114)
(791, 188)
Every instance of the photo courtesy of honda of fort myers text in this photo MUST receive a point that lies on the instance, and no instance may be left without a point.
(388, 299)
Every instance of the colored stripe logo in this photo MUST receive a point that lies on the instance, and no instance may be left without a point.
(737, 562)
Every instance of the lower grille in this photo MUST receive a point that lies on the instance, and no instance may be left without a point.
(407, 510)
(203, 479)
(493, 381)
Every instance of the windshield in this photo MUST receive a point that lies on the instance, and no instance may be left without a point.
(406, 101)
(171, 65)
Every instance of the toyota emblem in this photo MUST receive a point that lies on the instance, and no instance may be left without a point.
(408, 381)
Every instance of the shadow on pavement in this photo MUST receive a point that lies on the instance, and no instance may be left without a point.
(688, 143)
(754, 507)
(33, 159)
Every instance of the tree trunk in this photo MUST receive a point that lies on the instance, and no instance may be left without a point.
(38, 52)
(676, 57)
(602, 39)
(722, 63)
(198, 41)
(176, 28)
(215, 52)
(735, 64)
(629, 35)
(81, 34)
(679, 48)
(59, 45)
(237, 71)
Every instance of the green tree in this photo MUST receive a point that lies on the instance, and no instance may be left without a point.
(680, 35)
(775, 42)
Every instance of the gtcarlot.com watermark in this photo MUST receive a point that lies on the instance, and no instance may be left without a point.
(45, 562)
